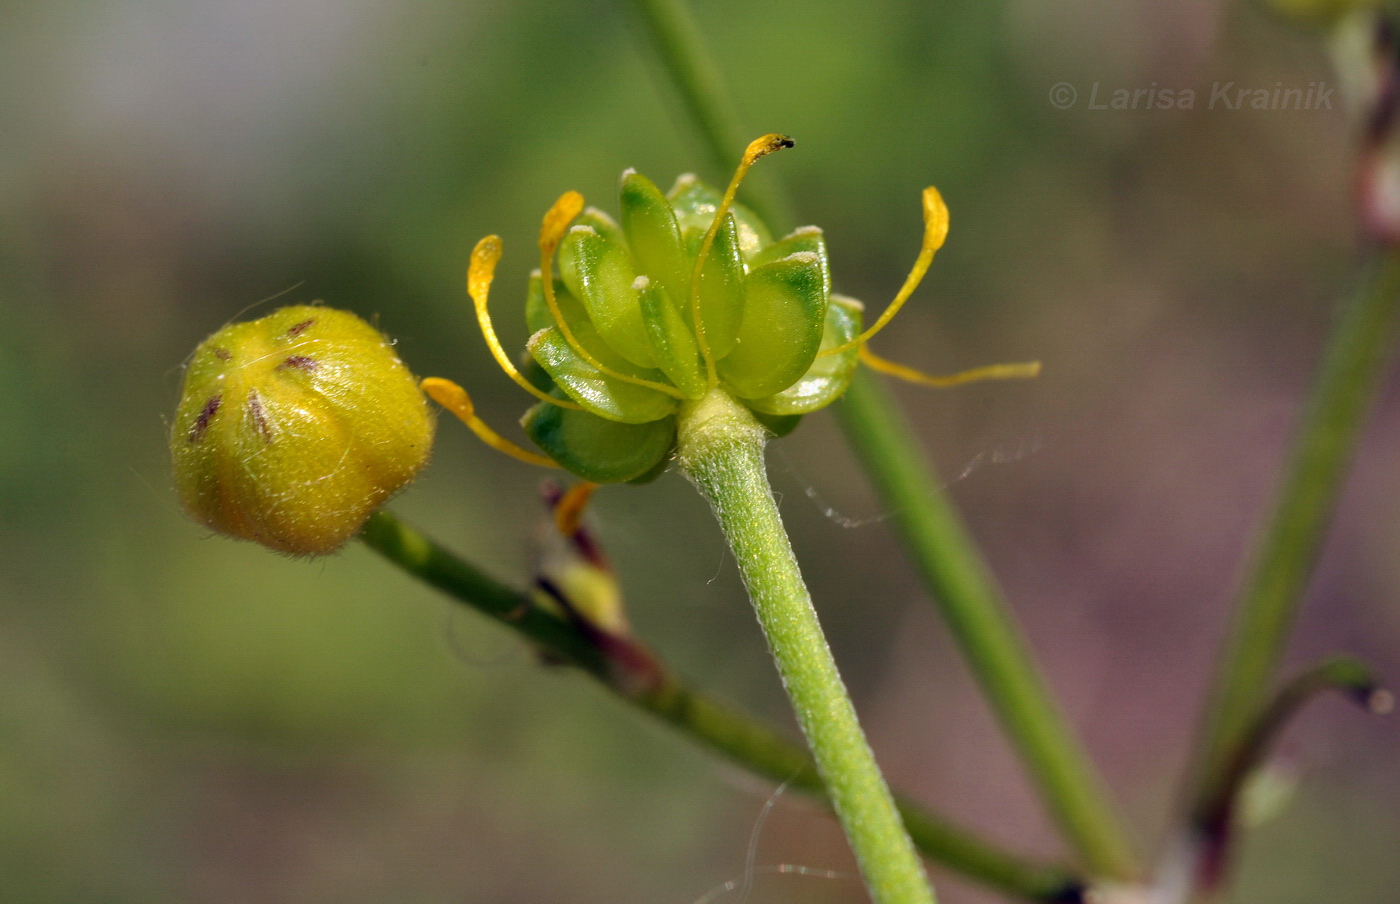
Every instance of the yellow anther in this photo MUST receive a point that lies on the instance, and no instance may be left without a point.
(485, 256)
(759, 147)
(556, 223)
(455, 399)
(975, 375)
(568, 511)
(557, 220)
(935, 233)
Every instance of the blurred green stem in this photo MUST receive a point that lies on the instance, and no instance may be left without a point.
(720, 448)
(1214, 819)
(950, 563)
(671, 27)
(973, 607)
(631, 672)
(1352, 367)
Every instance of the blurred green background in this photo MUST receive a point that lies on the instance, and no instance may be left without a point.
(189, 719)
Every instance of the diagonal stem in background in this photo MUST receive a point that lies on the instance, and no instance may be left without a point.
(973, 607)
(1353, 364)
(631, 672)
(950, 563)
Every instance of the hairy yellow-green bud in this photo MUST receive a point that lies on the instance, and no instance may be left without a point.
(294, 428)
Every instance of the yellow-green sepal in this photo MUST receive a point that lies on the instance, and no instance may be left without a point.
(695, 204)
(779, 425)
(538, 315)
(830, 375)
(672, 343)
(608, 397)
(656, 471)
(598, 449)
(722, 295)
(652, 234)
(597, 267)
(535, 375)
(784, 319)
(809, 239)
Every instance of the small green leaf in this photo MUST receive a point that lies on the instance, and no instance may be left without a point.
(599, 449)
(784, 318)
(671, 340)
(826, 380)
(651, 231)
(597, 267)
(605, 396)
(695, 204)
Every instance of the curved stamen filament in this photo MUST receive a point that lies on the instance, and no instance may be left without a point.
(556, 222)
(568, 511)
(759, 147)
(935, 232)
(485, 256)
(1019, 371)
(455, 399)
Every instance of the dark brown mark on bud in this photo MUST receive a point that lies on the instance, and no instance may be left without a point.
(222, 354)
(298, 329)
(255, 411)
(206, 414)
(300, 362)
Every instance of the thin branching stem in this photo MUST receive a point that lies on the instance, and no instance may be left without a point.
(630, 671)
(1354, 362)
(1213, 822)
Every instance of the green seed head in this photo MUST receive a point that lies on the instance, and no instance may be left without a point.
(646, 332)
(293, 429)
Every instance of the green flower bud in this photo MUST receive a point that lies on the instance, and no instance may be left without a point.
(688, 297)
(642, 336)
(293, 429)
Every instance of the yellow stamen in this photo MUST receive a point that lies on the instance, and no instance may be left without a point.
(485, 256)
(759, 147)
(935, 232)
(568, 511)
(556, 222)
(455, 399)
(975, 375)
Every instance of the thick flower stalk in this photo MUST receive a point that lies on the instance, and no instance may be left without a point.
(682, 331)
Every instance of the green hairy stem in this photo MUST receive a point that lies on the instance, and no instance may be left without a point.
(721, 451)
